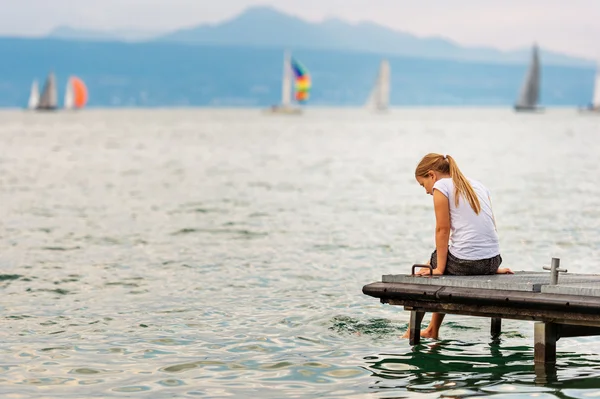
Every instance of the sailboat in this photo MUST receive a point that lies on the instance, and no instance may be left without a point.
(379, 99)
(530, 91)
(34, 96)
(595, 104)
(49, 98)
(293, 72)
(76, 94)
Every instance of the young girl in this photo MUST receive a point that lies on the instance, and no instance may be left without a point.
(466, 240)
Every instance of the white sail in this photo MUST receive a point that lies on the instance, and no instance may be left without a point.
(286, 87)
(34, 96)
(379, 98)
(596, 98)
(286, 107)
(530, 91)
(69, 96)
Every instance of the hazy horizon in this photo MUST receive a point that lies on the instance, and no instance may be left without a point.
(570, 28)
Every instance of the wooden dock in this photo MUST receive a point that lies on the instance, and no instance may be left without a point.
(560, 309)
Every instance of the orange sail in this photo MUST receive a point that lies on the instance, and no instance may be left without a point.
(80, 93)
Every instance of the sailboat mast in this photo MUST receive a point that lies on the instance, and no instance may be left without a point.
(69, 95)
(53, 92)
(49, 97)
(379, 98)
(530, 91)
(376, 94)
(384, 85)
(34, 95)
(286, 88)
(535, 85)
(596, 98)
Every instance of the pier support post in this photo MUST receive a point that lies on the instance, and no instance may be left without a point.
(416, 318)
(496, 327)
(545, 374)
(545, 335)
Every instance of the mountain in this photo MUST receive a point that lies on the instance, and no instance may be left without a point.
(69, 33)
(267, 27)
(165, 74)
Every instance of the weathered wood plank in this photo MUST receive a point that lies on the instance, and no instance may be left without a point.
(507, 298)
(584, 319)
(569, 330)
(520, 281)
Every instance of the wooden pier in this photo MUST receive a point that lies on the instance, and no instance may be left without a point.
(560, 309)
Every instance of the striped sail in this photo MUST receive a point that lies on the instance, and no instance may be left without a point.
(302, 84)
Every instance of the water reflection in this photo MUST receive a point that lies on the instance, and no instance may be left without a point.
(456, 369)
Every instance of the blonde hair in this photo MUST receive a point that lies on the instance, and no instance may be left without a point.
(447, 165)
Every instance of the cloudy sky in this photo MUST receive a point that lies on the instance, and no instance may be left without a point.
(570, 26)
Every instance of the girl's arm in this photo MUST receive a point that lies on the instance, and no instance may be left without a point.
(442, 229)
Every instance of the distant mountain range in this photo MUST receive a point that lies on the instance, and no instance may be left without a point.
(69, 33)
(267, 27)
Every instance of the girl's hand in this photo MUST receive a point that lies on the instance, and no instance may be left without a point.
(424, 271)
(504, 270)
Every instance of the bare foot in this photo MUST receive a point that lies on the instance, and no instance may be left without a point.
(424, 334)
(504, 270)
(427, 333)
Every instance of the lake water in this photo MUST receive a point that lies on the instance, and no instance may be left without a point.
(222, 253)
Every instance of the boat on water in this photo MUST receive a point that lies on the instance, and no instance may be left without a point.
(294, 73)
(48, 100)
(530, 90)
(594, 106)
(76, 94)
(379, 99)
(34, 96)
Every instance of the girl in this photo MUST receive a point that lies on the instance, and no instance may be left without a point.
(466, 241)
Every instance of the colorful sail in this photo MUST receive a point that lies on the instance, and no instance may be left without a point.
(302, 81)
(80, 93)
(76, 94)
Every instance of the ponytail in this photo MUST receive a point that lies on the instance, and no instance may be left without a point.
(462, 186)
(447, 165)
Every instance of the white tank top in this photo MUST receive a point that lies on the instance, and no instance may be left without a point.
(472, 236)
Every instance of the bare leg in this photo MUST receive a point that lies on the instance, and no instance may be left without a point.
(433, 329)
(407, 333)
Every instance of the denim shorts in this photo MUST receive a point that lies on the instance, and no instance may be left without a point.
(460, 267)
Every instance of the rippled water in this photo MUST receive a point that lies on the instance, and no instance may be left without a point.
(222, 253)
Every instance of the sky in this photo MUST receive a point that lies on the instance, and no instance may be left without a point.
(568, 26)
